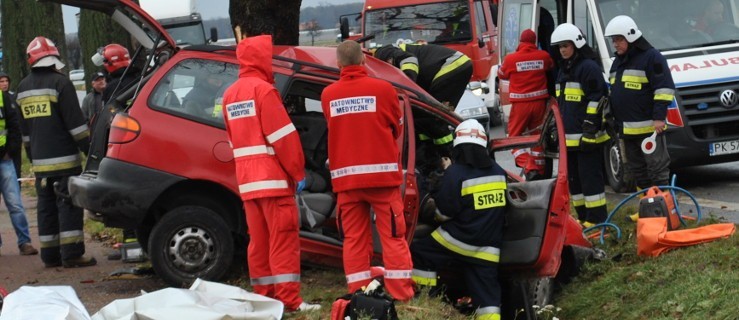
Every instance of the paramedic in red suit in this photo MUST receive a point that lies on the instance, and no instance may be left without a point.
(364, 121)
(526, 69)
(269, 167)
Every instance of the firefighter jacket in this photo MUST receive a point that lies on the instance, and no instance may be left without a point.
(526, 69)
(641, 90)
(267, 150)
(474, 200)
(364, 122)
(52, 123)
(10, 131)
(426, 63)
(579, 89)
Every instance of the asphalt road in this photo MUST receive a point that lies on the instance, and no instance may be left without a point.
(715, 187)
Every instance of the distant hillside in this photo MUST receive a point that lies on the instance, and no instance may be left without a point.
(326, 15)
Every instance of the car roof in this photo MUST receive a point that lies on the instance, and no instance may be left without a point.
(322, 60)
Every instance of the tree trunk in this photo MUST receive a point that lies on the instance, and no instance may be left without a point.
(98, 30)
(254, 17)
(28, 19)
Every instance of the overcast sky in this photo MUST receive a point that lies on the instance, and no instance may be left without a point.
(208, 9)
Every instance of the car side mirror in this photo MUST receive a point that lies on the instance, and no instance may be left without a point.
(213, 34)
(344, 28)
(480, 43)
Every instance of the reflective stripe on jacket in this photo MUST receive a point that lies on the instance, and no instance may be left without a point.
(641, 90)
(475, 201)
(526, 69)
(267, 150)
(364, 121)
(52, 123)
(430, 62)
(578, 89)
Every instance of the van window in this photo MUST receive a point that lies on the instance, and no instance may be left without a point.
(516, 18)
(194, 89)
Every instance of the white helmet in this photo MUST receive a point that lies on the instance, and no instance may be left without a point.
(623, 26)
(470, 131)
(568, 32)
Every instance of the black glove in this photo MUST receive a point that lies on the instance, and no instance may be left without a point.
(588, 143)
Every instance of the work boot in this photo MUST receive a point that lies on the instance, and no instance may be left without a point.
(79, 262)
(304, 306)
(27, 249)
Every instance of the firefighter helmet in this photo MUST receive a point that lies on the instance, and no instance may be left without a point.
(470, 131)
(623, 26)
(568, 32)
(39, 48)
(113, 56)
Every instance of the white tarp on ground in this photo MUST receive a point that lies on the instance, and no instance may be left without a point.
(43, 303)
(204, 301)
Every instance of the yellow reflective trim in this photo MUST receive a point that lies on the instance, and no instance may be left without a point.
(444, 140)
(467, 253)
(72, 240)
(421, 281)
(489, 199)
(448, 68)
(664, 97)
(573, 98)
(409, 66)
(81, 135)
(596, 203)
(217, 111)
(55, 167)
(578, 202)
(483, 187)
(488, 317)
(636, 131)
(612, 80)
(423, 137)
(572, 143)
(574, 91)
(635, 79)
(592, 110)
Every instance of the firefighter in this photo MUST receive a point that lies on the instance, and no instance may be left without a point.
(116, 60)
(364, 121)
(55, 132)
(472, 202)
(527, 69)
(269, 169)
(442, 72)
(641, 90)
(579, 89)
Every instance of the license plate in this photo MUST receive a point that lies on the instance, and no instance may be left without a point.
(724, 147)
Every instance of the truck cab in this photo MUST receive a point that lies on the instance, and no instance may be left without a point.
(699, 39)
(181, 20)
(467, 26)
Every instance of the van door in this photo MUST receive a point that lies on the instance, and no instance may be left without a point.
(514, 16)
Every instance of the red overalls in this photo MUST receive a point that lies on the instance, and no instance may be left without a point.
(364, 121)
(269, 161)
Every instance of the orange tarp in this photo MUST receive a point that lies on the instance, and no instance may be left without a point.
(653, 239)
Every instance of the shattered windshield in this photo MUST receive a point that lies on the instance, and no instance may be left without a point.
(437, 23)
(678, 24)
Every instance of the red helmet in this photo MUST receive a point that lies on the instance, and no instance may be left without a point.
(115, 57)
(40, 47)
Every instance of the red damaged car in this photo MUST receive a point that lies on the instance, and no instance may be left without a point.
(166, 167)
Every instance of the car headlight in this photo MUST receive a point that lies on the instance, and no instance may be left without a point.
(473, 112)
(477, 92)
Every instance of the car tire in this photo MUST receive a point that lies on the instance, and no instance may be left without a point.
(191, 242)
(539, 292)
(614, 168)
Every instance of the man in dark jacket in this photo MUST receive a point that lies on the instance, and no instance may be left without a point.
(56, 132)
(92, 104)
(471, 202)
(10, 143)
(442, 72)
(641, 90)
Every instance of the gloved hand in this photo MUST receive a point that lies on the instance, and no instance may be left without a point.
(587, 142)
(301, 186)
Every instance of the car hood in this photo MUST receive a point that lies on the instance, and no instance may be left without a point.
(145, 29)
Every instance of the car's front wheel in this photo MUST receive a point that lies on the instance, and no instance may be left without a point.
(191, 242)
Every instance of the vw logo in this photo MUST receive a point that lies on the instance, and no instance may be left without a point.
(728, 98)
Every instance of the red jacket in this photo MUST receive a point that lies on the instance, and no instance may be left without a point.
(364, 122)
(267, 151)
(527, 71)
